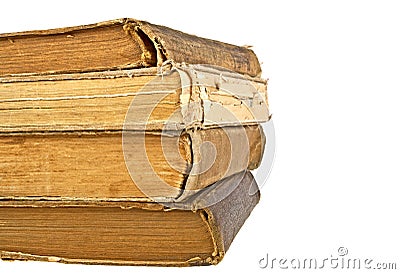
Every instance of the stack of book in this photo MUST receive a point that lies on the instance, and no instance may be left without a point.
(125, 142)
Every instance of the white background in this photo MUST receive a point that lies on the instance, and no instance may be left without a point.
(335, 97)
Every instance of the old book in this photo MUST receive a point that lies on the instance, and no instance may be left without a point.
(196, 232)
(118, 44)
(92, 165)
(171, 97)
(162, 133)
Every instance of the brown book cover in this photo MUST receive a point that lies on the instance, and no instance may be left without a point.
(197, 231)
(117, 44)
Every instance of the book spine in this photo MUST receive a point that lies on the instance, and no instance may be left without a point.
(226, 209)
(232, 150)
(186, 48)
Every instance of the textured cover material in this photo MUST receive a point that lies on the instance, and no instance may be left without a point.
(182, 47)
(223, 207)
(226, 216)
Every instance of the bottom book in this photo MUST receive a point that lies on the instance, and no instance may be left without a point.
(196, 232)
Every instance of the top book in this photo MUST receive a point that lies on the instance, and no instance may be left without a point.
(112, 45)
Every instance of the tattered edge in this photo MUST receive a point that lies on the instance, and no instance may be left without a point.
(19, 256)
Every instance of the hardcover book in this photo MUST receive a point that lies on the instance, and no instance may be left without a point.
(125, 142)
(198, 232)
